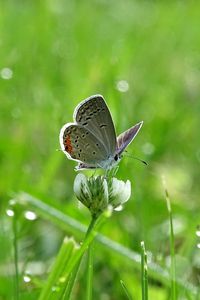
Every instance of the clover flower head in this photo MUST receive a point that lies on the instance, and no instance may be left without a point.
(99, 193)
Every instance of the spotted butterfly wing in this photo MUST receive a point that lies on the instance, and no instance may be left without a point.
(81, 145)
(125, 138)
(94, 115)
(91, 139)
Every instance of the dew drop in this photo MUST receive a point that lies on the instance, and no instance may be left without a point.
(55, 289)
(6, 73)
(30, 215)
(10, 212)
(198, 231)
(122, 86)
(26, 278)
(62, 279)
(12, 202)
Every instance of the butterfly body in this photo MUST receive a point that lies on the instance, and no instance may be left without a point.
(91, 139)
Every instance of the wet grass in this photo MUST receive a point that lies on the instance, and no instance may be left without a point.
(143, 57)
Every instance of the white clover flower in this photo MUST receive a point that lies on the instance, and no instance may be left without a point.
(119, 193)
(98, 193)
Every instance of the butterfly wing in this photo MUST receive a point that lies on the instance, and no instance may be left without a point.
(81, 145)
(82, 166)
(94, 115)
(125, 138)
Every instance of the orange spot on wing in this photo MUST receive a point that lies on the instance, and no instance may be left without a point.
(68, 145)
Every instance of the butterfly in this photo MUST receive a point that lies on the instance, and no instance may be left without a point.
(91, 140)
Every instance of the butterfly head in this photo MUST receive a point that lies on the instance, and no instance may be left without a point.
(110, 162)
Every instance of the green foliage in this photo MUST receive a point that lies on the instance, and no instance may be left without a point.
(53, 55)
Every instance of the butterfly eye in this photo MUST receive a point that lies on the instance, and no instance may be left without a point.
(116, 157)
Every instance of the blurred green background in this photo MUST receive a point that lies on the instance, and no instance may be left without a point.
(144, 58)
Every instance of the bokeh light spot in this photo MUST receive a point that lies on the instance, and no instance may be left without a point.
(122, 86)
(6, 73)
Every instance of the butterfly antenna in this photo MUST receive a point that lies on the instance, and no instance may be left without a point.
(141, 160)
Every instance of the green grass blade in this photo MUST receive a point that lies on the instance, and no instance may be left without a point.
(68, 289)
(126, 290)
(15, 246)
(75, 266)
(144, 272)
(67, 264)
(172, 248)
(94, 225)
(90, 271)
(71, 225)
(198, 291)
(51, 288)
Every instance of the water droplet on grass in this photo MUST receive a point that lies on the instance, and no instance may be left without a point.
(198, 231)
(6, 73)
(122, 86)
(30, 215)
(26, 278)
(62, 279)
(10, 212)
(12, 202)
(55, 288)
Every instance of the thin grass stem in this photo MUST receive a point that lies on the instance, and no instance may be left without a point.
(144, 272)
(64, 255)
(15, 246)
(69, 224)
(90, 271)
(172, 247)
(129, 297)
(90, 261)
(74, 272)
(198, 291)
(71, 281)
(90, 234)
